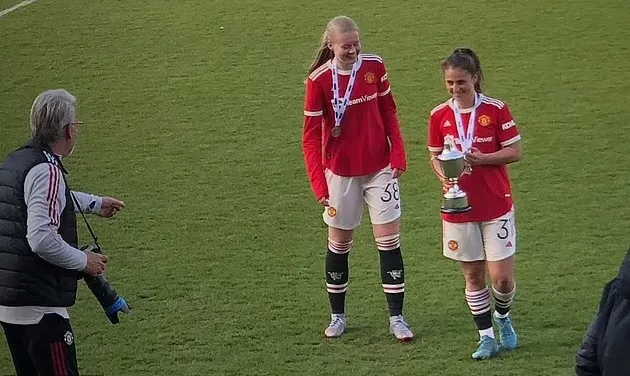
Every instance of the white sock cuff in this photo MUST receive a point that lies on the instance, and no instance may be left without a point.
(388, 243)
(339, 247)
(478, 301)
(504, 296)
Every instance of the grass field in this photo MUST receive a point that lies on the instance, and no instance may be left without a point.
(221, 248)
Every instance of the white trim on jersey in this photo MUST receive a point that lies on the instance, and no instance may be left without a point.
(313, 113)
(433, 149)
(389, 89)
(371, 57)
(511, 140)
(438, 107)
(451, 104)
(344, 72)
(487, 100)
(319, 71)
(495, 102)
(347, 72)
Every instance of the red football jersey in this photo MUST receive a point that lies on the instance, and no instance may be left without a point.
(488, 186)
(370, 133)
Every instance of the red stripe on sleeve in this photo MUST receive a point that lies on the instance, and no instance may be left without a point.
(50, 181)
(53, 193)
(50, 191)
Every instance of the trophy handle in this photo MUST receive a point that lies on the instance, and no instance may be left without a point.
(435, 165)
(446, 182)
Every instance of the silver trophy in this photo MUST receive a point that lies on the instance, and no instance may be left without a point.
(451, 167)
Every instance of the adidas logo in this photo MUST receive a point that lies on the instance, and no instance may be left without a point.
(508, 245)
(447, 124)
(397, 206)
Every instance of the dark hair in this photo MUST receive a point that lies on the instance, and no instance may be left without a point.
(467, 60)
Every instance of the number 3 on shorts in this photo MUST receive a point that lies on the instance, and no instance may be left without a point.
(391, 192)
(504, 231)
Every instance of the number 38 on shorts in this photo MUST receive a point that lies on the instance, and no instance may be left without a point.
(380, 191)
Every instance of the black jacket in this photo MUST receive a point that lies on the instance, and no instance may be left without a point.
(605, 350)
(25, 278)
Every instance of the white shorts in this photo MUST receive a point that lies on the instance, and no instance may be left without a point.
(493, 240)
(380, 191)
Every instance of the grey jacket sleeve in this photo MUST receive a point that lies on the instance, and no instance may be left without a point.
(89, 203)
(44, 189)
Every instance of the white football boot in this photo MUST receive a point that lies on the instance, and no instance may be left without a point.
(337, 325)
(400, 329)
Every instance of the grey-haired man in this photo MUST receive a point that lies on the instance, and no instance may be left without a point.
(40, 262)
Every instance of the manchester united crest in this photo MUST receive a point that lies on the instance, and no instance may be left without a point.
(370, 77)
(484, 120)
(453, 245)
(332, 212)
(68, 338)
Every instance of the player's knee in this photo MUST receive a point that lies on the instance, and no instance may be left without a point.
(503, 284)
(386, 229)
(339, 247)
(475, 280)
(340, 235)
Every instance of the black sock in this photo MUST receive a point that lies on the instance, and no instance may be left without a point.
(337, 280)
(479, 304)
(483, 321)
(393, 278)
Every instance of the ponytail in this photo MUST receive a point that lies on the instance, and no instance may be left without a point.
(323, 54)
(467, 60)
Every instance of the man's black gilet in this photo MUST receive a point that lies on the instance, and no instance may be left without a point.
(25, 278)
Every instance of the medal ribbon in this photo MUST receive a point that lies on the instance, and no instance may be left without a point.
(340, 105)
(466, 138)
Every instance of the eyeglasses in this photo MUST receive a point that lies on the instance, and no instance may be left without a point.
(79, 123)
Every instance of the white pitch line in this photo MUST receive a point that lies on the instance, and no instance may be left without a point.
(18, 6)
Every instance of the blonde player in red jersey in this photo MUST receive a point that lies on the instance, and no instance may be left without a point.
(354, 153)
(484, 238)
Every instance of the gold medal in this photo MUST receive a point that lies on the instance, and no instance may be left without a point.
(336, 131)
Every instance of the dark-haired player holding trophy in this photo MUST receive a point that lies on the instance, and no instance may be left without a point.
(354, 154)
(483, 237)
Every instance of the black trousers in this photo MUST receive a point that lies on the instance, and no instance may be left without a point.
(44, 349)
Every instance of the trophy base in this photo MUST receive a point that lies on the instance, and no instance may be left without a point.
(455, 205)
(455, 210)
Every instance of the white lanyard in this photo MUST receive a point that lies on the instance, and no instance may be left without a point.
(466, 138)
(340, 105)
